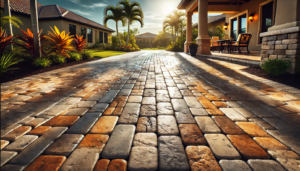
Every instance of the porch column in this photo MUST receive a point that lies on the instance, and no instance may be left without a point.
(203, 40)
(188, 31)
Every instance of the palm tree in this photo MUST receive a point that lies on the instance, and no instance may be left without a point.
(133, 12)
(117, 15)
(35, 27)
(8, 26)
(174, 20)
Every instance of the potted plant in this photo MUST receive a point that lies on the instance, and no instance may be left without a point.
(193, 49)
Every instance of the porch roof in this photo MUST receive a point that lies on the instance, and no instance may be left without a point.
(184, 3)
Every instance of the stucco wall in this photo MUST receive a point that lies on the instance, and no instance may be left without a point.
(212, 26)
(26, 24)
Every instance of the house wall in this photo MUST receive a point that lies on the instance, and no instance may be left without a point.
(212, 26)
(62, 25)
(144, 45)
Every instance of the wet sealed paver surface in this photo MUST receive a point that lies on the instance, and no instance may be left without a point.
(149, 110)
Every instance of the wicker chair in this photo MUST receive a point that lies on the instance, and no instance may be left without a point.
(213, 43)
(242, 41)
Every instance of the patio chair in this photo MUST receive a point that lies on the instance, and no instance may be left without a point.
(242, 41)
(213, 43)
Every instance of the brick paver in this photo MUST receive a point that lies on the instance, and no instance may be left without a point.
(149, 111)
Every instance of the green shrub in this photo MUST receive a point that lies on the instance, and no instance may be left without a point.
(86, 55)
(75, 56)
(59, 59)
(7, 60)
(276, 67)
(42, 62)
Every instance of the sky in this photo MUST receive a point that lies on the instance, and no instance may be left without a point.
(155, 12)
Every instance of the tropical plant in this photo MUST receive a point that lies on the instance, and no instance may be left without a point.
(132, 12)
(117, 15)
(174, 20)
(6, 62)
(59, 42)
(276, 67)
(15, 21)
(58, 59)
(42, 62)
(4, 40)
(75, 56)
(27, 42)
(79, 43)
(86, 55)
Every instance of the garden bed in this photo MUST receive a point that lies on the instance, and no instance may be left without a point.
(287, 79)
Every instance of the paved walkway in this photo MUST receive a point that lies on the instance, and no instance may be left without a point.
(149, 110)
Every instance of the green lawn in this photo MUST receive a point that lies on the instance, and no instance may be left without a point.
(160, 48)
(105, 53)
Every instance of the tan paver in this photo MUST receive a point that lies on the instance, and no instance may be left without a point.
(105, 125)
(17, 133)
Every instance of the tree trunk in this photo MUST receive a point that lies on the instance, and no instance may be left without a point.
(9, 30)
(128, 33)
(173, 35)
(35, 28)
(118, 33)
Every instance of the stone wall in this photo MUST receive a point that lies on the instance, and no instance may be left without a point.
(282, 44)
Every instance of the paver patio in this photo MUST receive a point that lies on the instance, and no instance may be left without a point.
(149, 110)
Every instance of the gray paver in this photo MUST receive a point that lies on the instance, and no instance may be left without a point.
(174, 93)
(234, 165)
(38, 146)
(119, 143)
(81, 159)
(171, 154)
(149, 92)
(130, 113)
(124, 92)
(84, 124)
(165, 108)
(263, 165)
(245, 112)
(6, 156)
(99, 107)
(143, 159)
(64, 145)
(221, 146)
(290, 164)
(207, 125)
(148, 110)
(21, 143)
(109, 96)
(166, 125)
(77, 112)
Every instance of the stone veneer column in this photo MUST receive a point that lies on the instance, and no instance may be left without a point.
(282, 44)
(188, 32)
(203, 40)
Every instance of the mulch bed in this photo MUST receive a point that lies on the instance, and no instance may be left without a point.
(26, 68)
(292, 80)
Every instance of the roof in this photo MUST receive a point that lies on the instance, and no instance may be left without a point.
(146, 35)
(212, 19)
(52, 12)
(183, 3)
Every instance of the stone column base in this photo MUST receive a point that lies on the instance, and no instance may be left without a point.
(282, 44)
(186, 47)
(203, 46)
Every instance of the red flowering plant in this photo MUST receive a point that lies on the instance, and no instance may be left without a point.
(4, 40)
(79, 43)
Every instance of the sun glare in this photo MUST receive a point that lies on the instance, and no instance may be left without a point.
(169, 9)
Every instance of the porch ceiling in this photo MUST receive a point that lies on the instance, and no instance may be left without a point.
(184, 3)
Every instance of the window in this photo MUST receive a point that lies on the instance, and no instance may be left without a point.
(83, 32)
(90, 35)
(105, 38)
(144, 41)
(242, 23)
(100, 36)
(234, 29)
(72, 29)
(266, 17)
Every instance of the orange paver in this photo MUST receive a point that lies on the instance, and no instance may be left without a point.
(117, 165)
(39, 130)
(94, 141)
(102, 165)
(252, 129)
(62, 121)
(270, 143)
(109, 111)
(46, 163)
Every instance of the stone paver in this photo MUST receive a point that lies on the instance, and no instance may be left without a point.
(247, 147)
(145, 140)
(191, 134)
(263, 165)
(171, 154)
(207, 125)
(166, 125)
(234, 165)
(221, 146)
(201, 158)
(143, 158)
(119, 144)
(105, 125)
(83, 117)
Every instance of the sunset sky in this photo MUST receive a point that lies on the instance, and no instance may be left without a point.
(155, 11)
